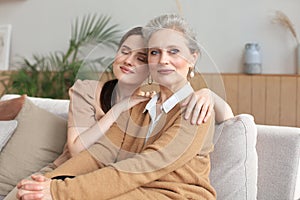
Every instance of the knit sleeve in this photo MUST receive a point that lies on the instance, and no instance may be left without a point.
(177, 145)
(82, 163)
(84, 109)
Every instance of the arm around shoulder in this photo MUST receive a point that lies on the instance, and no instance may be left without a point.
(222, 109)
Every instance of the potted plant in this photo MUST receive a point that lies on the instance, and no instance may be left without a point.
(52, 75)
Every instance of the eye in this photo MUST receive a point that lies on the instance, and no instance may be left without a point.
(125, 51)
(142, 59)
(154, 52)
(174, 51)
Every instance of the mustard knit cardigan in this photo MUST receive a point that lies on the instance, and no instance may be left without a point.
(173, 163)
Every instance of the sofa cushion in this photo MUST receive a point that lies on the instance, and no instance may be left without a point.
(7, 128)
(10, 108)
(39, 139)
(234, 159)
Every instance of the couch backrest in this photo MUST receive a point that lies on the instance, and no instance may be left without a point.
(58, 107)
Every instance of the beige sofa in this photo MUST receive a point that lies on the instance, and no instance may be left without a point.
(249, 161)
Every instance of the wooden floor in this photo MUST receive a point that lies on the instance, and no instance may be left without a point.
(271, 99)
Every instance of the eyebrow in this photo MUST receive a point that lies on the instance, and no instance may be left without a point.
(127, 47)
(168, 47)
(173, 46)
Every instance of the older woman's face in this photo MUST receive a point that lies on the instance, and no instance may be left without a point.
(169, 58)
(130, 64)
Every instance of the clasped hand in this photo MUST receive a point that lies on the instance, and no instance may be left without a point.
(36, 189)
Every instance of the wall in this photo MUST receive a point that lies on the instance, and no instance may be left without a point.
(41, 26)
(271, 99)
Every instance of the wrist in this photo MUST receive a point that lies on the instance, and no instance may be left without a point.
(116, 110)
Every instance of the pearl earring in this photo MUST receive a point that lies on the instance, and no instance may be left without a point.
(150, 80)
(191, 72)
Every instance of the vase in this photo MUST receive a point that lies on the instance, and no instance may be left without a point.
(298, 59)
(252, 62)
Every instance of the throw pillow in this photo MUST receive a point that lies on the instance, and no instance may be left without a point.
(7, 128)
(58, 107)
(10, 108)
(234, 159)
(38, 140)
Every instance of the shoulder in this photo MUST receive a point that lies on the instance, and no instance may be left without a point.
(86, 88)
(87, 85)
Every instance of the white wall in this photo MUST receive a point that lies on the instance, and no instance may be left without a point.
(42, 26)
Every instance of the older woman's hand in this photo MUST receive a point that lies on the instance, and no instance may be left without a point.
(200, 105)
(36, 189)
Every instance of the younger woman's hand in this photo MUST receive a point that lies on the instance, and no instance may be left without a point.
(149, 94)
(200, 106)
(128, 103)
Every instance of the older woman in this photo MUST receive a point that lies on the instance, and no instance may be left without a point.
(151, 152)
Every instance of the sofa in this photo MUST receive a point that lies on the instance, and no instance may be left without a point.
(249, 161)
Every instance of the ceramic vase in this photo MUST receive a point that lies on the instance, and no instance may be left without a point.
(252, 62)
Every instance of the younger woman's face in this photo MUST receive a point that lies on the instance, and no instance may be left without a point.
(169, 58)
(130, 64)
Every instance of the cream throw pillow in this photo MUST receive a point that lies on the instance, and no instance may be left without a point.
(38, 140)
(234, 159)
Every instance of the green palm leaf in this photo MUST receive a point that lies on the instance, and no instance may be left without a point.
(94, 29)
(52, 75)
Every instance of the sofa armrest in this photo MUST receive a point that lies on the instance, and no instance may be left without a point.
(278, 150)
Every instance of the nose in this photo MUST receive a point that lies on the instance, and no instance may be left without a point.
(164, 58)
(128, 60)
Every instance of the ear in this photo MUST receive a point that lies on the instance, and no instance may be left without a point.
(195, 56)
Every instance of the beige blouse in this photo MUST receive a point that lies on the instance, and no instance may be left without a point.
(84, 110)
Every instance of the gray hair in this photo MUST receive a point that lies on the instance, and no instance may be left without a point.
(174, 22)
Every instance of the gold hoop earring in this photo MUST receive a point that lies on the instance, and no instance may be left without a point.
(150, 80)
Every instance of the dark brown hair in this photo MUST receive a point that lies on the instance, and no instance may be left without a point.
(134, 31)
(106, 94)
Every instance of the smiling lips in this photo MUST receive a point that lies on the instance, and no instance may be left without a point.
(165, 71)
(126, 70)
